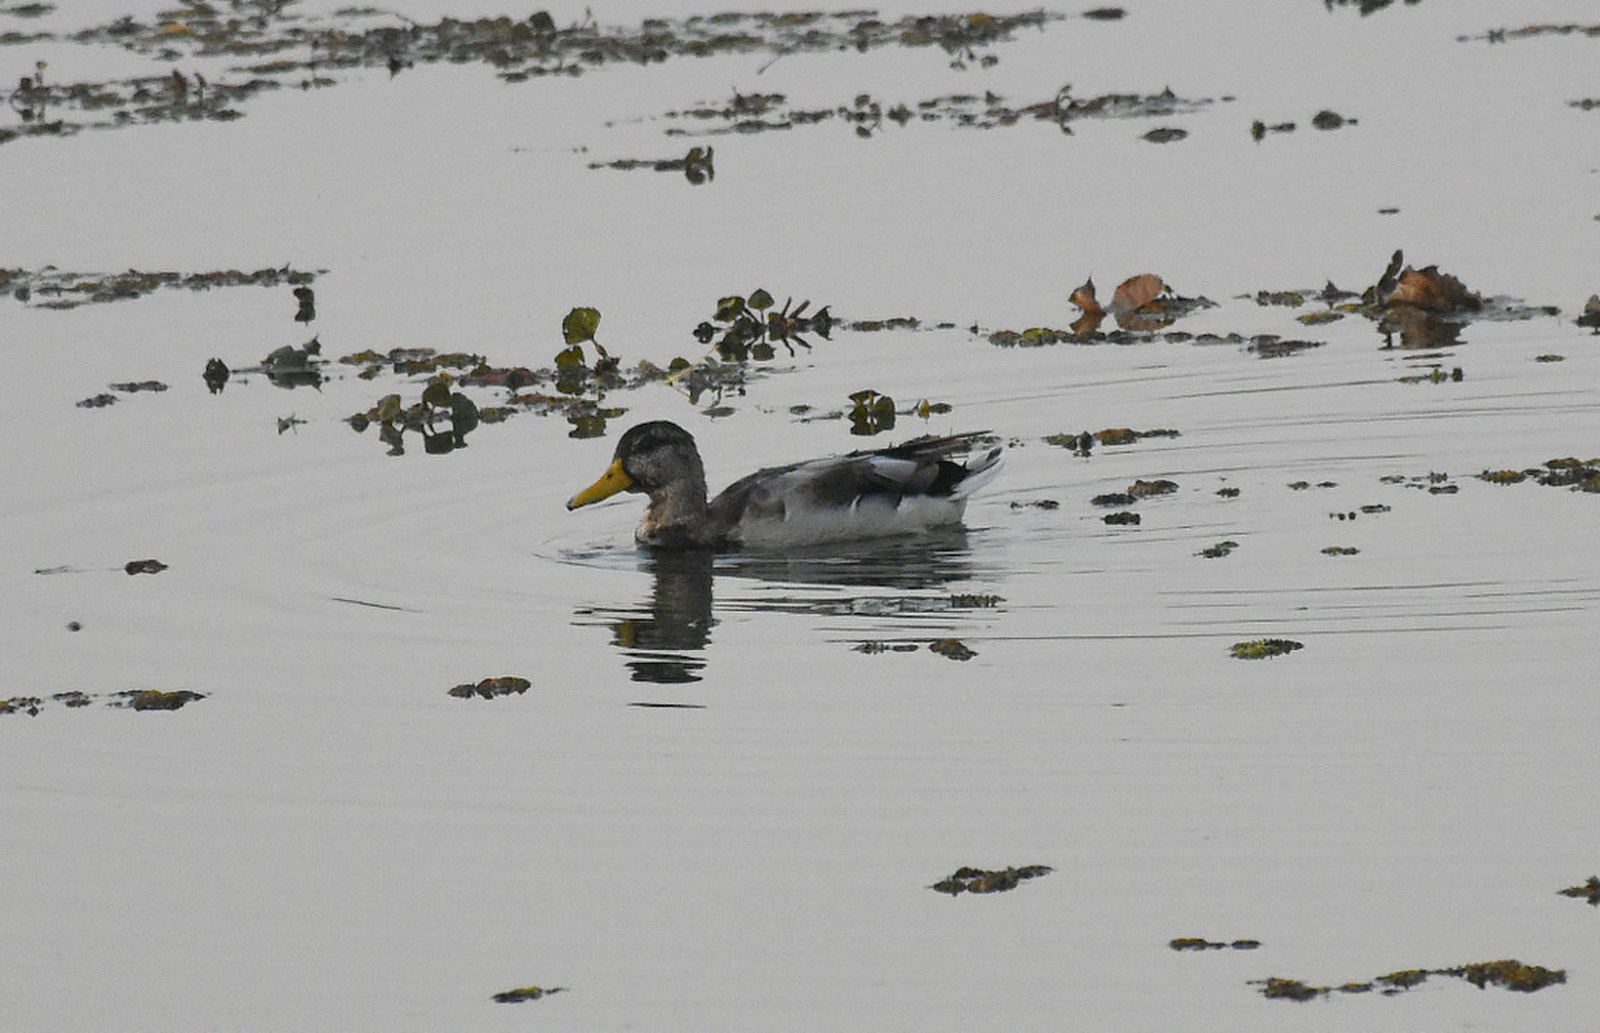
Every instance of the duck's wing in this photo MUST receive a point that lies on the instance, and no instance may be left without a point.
(905, 488)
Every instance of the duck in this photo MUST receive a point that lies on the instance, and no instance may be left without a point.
(909, 488)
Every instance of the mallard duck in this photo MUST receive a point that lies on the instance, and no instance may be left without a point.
(889, 491)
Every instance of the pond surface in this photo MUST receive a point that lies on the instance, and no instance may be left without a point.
(725, 792)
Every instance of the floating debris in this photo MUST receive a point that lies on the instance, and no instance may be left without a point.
(1195, 943)
(1110, 436)
(1264, 648)
(491, 688)
(1577, 474)
(1271, 346)
(1589, 891)
(871, 648)
(1145, 489)
(981, 880)
(696, 166)
(1510, 974)
(526, 993)
(1217, 551)
(290, 50)
(952, 649)
(136, 387)
(53, 289)
(216, 375)
(155, 699)
(1340, 550)
(145, 567)
(1122, 519)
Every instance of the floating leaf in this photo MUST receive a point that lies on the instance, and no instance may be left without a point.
(1264, 648)
(580, 325)
(437, 394)
(388, 408)
(760, 300)
(1136, 292)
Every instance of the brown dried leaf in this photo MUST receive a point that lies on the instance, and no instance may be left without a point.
(1136, 292)
(1084, 298)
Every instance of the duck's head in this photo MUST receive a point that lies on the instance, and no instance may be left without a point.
(652, 458)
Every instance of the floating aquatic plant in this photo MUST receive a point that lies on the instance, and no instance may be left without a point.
(1264, 648)
(983, 880)
(1509, 974)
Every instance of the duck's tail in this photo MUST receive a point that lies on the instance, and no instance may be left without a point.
(979, 469)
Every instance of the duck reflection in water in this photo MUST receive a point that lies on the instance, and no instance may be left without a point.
(662, 642)
(663, 639)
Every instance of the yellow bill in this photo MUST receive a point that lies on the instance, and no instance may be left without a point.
(610, 482)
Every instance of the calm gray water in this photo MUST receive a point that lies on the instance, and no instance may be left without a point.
(330, 840)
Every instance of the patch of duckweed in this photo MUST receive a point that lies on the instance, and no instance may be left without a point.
(492, 688)
(1142, 489)
(867, 116)
(1290, 989)
(53, 288)
(1196, 943)
(1110, 436)
(1264, 648)
(1271, 346)
(155, 699)
(952, 649)
(1577, 474)
(1436, 375)
(1589, 891)
(696, 166)
(1530, 32)
(526, 993)
(983, 880)
(1509, 974)
(276, 46)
